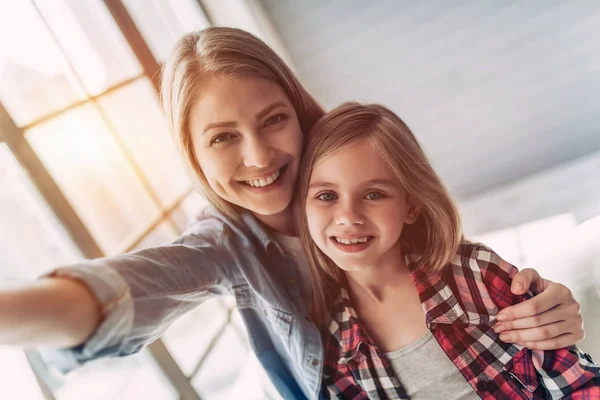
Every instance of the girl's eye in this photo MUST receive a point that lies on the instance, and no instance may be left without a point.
(275, 119)
(326, 196)
(221, 138)
(374, 196)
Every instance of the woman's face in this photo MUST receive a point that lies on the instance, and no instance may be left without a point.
(248, 142)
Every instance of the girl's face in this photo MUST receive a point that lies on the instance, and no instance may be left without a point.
(248, 142)
(356, 208)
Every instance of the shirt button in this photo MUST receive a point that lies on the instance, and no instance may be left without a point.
(314, 362)
(483, 386)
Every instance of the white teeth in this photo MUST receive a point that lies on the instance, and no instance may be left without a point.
(362, 239)
(264, 181)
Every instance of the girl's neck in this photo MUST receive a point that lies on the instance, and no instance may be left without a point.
(282, 222)
(380, 282)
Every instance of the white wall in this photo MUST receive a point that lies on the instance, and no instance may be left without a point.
(495, 90)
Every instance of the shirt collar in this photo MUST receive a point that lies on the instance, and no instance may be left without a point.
(437, 293)
(249, 225)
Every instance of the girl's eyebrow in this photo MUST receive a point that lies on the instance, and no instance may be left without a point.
(379, 182)
(321, 184)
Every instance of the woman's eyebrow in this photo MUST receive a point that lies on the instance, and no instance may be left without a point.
(224, 124)
(270, 108)
(259, 115)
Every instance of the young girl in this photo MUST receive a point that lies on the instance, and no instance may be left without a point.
(412, 305)
(239, 116)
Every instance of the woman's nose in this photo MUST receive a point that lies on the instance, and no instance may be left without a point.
(257, 153)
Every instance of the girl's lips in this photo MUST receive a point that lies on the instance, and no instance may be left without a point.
(354, 247)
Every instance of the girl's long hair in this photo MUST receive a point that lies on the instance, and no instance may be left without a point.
(436, 234)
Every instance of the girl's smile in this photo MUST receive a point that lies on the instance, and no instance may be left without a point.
(356, 207)
(352, 244)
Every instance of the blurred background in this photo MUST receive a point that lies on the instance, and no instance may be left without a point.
(504, 96)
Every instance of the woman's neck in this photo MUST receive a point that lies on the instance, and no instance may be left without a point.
(282, 222)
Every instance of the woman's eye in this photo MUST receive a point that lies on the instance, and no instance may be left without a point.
(374, 196)
(223, 137)
(275, 119)
(326, 197)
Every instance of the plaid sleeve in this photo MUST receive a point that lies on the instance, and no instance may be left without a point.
(562, 373)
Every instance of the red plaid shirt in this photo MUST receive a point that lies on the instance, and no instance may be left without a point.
(460, 306)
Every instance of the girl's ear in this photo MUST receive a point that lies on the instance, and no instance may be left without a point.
(413, 212)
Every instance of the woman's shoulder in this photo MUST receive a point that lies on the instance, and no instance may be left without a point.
(212, 226)
(207, 225)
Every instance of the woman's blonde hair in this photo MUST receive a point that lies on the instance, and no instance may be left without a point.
(220, 51)
(436, 234)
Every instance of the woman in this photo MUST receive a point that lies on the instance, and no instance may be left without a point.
(238, 116)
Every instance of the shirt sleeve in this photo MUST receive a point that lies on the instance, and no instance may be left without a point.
(555, 374)
(143, 292)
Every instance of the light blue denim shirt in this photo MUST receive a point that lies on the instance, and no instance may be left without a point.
(143, 292)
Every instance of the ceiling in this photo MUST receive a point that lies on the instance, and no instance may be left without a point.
(495, 91)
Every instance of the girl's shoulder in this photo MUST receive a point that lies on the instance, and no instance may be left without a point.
(481, 279)
(481, 260)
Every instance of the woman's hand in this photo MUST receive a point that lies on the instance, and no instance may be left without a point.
(550, 320)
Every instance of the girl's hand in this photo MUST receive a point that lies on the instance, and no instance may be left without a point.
(550, 320)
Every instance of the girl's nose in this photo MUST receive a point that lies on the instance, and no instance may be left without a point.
(349, 214)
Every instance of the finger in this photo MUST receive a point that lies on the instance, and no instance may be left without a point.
(536, 334)
(536, 305)
(558, 342)
(523, 280)
(553, 315)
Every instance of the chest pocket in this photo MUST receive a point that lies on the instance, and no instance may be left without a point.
(522, 370)
(279, 320)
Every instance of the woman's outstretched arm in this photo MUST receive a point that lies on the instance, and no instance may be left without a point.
(48, 312)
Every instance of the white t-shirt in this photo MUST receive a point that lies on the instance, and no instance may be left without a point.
(426, 372)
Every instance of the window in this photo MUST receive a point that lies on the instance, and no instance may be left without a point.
(163, 22)
(77, 95)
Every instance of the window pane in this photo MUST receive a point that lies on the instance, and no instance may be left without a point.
(187, 210)
(163, 22)
(188, 338)
(137, 117)
(133, 377)
(92, 41)
(81, 154)
(162, 234)
(35, 78)
(32, 240)
(18, 381)
(230, 371)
